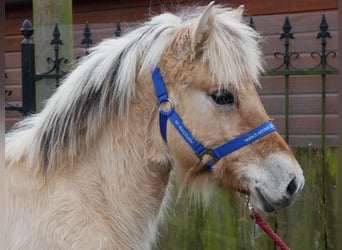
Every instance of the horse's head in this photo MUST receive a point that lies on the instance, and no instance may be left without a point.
(211, 74)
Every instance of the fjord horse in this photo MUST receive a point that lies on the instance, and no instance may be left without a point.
(91, 170)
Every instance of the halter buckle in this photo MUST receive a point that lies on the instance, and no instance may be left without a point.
(207, 157)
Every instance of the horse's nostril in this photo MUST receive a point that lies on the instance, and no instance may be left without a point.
(292, 187)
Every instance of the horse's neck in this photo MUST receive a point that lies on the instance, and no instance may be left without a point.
(131, 168)
(112, 194)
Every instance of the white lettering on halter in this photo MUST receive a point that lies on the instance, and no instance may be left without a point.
(258, 133)
(185, 133)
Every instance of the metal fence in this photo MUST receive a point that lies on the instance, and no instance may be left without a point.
(286, 68)
(28, 71)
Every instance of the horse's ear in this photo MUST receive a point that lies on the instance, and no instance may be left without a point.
(202, 29)
(238, 13)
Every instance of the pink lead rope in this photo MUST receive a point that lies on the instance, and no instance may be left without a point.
(264, 226)
(268, 230)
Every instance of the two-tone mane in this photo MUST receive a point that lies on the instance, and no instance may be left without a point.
(100, 89)
(94, 164)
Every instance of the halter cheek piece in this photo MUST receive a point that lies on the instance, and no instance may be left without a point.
(207, 156)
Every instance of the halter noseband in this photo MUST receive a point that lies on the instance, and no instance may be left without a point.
(207, 156)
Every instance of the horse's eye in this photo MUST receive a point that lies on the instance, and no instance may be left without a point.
(222, 97)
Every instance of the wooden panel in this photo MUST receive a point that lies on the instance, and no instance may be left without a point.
(13, 60)
(14, 76)
(87, 5)
(298, 85)
(305, 130)
(305, 90)
(256, 7)
(15, 93)
(300, 104)
(140, 10)
(13, 114)
(113, 13)
(98, 32)
(108, 16)
(296, 141)
(253, 7)
(18, 9)
(306, 124)
(300, 22)
(13, 26)
(78, 52)
(13, 43)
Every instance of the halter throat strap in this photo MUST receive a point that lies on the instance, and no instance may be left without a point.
(207, 156)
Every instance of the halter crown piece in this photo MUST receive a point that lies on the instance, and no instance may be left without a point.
(207, 156)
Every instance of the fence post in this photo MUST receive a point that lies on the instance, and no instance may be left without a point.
(287, 35)
(118, 30)
(86, 41)
(28, 69)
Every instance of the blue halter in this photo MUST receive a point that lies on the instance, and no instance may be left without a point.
(207, 156)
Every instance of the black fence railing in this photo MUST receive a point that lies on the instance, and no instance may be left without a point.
(286, 68)
(57, 72)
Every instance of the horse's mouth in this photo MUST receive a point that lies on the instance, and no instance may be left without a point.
(265, 203)
(270, 206)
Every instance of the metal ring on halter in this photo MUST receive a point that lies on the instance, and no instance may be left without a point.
(167, 105)
(207, 156)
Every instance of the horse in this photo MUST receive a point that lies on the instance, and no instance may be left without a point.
(178, 94)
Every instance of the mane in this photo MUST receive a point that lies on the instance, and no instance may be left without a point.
(102, 85)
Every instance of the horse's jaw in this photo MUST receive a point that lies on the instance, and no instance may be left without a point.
(275, 184)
